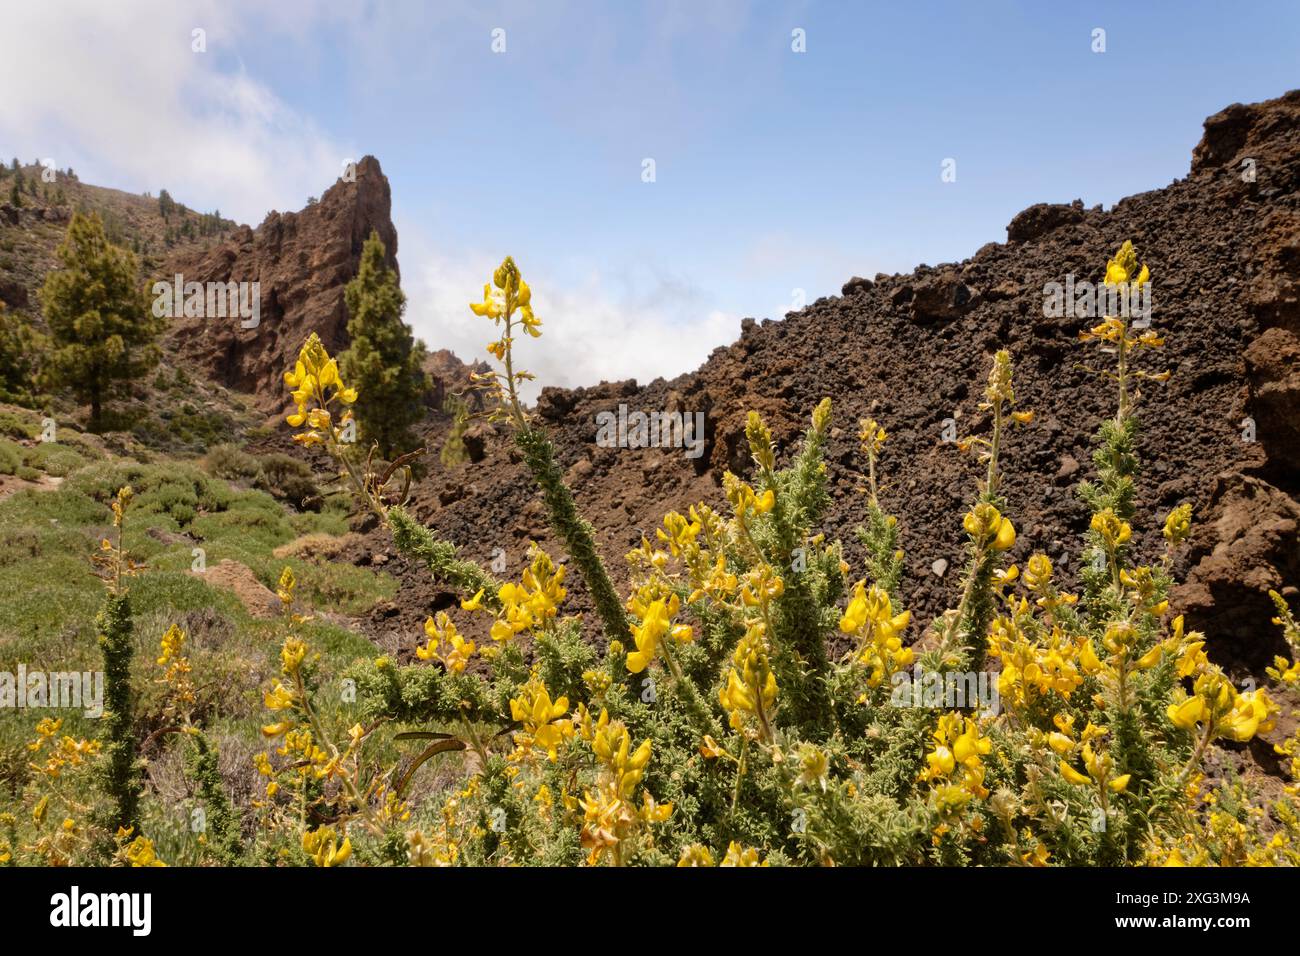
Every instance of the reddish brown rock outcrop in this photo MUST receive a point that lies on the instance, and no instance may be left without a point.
(302, 261)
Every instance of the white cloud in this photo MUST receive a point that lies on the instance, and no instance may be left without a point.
(115, 91)
(601, 327)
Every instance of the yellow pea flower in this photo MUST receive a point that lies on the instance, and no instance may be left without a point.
(1187, 714)
(1178, 525)
(1071, 775)
(1112, 529)
(646, 635)
(1059, 742)
(323, 846)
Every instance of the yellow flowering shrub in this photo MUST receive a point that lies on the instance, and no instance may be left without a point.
(756, 700)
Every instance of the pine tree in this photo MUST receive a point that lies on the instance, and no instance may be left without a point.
(21, 349)
(384, 361)
(98, 316)
(165, 204)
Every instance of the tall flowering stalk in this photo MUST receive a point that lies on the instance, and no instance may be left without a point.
(120, 772)
(507, 301)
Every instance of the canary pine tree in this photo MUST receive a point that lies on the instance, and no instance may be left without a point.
(384, 360)
(21, 347)
(99, 319)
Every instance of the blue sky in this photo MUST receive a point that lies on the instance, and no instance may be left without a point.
(776, 171)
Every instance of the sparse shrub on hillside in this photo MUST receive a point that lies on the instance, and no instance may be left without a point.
(18, 426)
(289, 479)
(756, 701)
(100, 323)
(56, 458)
(384, 361)
(230, 462)
(10, 457)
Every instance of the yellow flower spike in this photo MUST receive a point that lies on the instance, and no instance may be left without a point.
(1178, 525)
(1112, 530)
(291, 655)
(871, 436)
(1119, 784)
(172, 645)
(999, 383)
(821, 416)
(760, 441)
(1124, 266)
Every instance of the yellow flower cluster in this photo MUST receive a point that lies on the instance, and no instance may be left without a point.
(1099, 765)
(870, 618)
(1032, 668)
(999, 397)
(954, 765)
(176, 678)
(655, 624)
(532, 603)
(1217, 709)
(750, 689)
(316, 386)
(445, 644)
(60, 752)
(744, 499)
(324, 848)
(139, 852)
(988, 528)
(610, 819)
(545, 725)
(507, 301)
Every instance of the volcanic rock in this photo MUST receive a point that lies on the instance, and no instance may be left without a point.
(302, 261)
